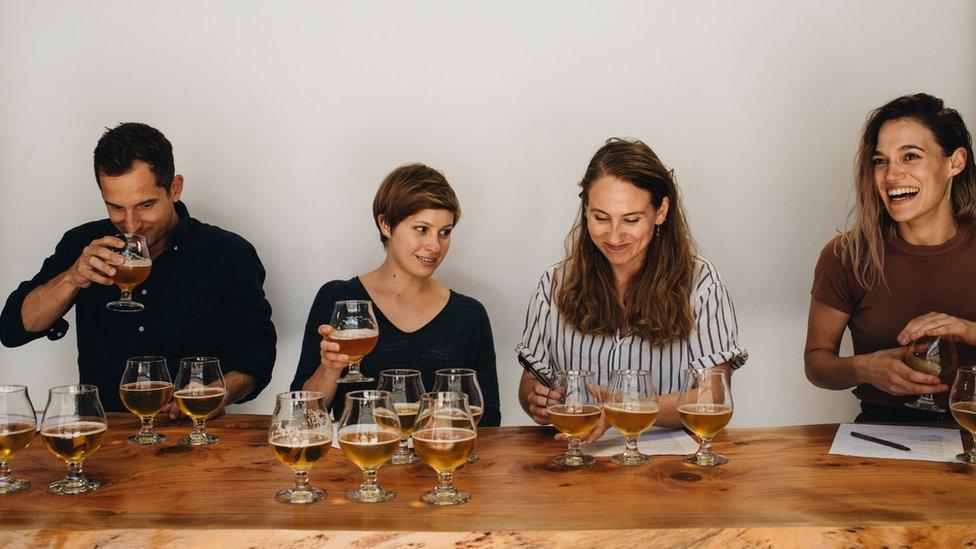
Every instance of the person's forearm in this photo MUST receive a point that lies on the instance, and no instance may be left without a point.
(526, 386)
(668, 417)
(828, 371)
(238, 386)
(323, 381)
(44, 305)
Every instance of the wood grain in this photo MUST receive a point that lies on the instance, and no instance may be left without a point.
(780, 485)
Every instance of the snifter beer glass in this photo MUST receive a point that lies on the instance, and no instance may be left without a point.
(300, 436)
(72, 429)
(931, 354)
(576, 414)
(705, 407)
(406, 387)
(133, 272)
(369, 433)
(631, 406)
(463, 380)
(962, 403)
(145, 389)
(443, 437)
(199, 393)
(356, 333)
(17, 426)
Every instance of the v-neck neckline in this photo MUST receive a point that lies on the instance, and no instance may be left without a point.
(376, 308)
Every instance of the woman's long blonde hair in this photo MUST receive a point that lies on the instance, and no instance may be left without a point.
(657, 301)
(869, 227)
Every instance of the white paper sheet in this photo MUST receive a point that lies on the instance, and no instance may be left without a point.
(925, 443)
(655, 442)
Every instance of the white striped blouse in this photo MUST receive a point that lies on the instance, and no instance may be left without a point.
(548, 342)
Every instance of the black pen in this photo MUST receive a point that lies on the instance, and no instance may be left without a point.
(535, 373)
(882, 441)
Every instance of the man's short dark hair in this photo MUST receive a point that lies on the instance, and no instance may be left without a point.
(122, 145)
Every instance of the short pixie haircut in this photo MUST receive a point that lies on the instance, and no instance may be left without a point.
(410, 189)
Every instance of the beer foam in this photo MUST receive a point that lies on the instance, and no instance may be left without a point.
(137, 262)
(76, 429)
(304, 441)
(644, 407)
(358, 333)
(444, 435)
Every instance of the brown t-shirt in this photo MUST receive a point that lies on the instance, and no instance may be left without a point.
(920, 279)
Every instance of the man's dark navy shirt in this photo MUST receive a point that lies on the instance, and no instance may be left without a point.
(204, 297)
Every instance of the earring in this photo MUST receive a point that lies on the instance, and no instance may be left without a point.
(657, 230)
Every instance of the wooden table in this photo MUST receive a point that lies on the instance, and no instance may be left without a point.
(779, 488)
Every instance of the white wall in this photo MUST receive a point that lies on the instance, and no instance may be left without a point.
(285, 116)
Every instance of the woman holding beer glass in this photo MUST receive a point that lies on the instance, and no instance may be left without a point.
(420, 323)
(902, 270)
(632, 292)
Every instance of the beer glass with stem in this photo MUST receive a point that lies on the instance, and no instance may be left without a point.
(406, 386)
(17, 426)
(369, 433)
(132, 272)
(300, 436)
(356, 332)
(962, 403)
(631, 406)
(72, 429)
(443, 437)
(463, 380)
(929, 353)
(705, 408)
(200, 392)
(575, 414)
(145, 389)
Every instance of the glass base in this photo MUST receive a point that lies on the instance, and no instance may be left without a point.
(65, 486)
(354, 378)
(472, 458)
(567, 460)
(12, 485)
(404, 458)
(705, 460)
(125, 306)
(146, 440)
(926, 404)
(966, 458)
(630, 460)
(377, 495)
(445, 497)
(311, 495)
(199, 439)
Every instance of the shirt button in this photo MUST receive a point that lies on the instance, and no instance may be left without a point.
(176, 248)
(144, 292)
(142, 328)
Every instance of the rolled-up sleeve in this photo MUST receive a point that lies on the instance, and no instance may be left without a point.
(533, 349)
(248, 333)
(714, 339)
(12, 331)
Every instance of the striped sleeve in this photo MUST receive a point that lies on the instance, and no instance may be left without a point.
(534, 347)
(714, 339)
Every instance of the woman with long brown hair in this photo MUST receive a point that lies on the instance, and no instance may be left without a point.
(632, 293)
(904, 266)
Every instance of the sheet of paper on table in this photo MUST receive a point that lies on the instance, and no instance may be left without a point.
(655, 442)
(925, 443)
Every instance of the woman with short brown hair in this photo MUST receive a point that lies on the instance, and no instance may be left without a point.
(422, 324)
